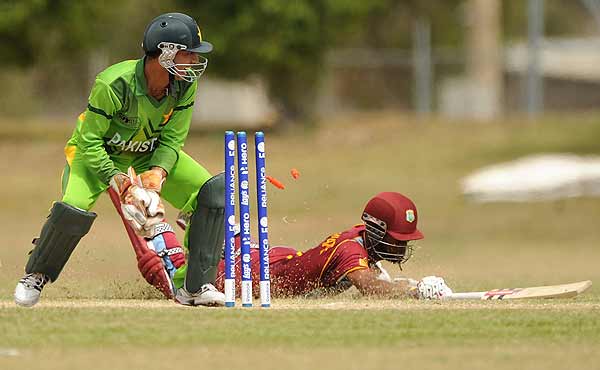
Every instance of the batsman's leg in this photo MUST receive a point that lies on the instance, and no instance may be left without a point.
(61, 233)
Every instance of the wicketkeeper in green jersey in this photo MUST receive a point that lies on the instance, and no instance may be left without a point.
(138, 116)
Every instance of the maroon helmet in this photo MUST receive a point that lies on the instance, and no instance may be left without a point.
(393, 214)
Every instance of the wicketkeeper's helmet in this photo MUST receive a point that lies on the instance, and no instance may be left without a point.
(395, 215)
(171, 32)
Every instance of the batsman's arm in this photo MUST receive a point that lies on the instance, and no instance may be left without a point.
(102, 105)
(175, 131)
(368, 283)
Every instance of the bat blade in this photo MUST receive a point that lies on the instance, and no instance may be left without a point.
(137, 242)
(549, 291)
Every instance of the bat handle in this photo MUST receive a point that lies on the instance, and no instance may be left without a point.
(467, 295)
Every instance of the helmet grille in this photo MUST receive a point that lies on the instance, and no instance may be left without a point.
(375, 227)
(376, 230)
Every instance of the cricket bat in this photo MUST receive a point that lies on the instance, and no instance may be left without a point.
(550, 291)
(140, 245)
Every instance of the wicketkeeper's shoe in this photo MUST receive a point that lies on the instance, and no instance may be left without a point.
(29, 288)
(207, 296)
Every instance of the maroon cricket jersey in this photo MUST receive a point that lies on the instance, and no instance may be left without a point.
(296, 273)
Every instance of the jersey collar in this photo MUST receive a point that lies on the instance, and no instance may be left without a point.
(175, 87)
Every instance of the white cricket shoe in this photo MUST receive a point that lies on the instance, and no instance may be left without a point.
(29, 288)
(207, 296)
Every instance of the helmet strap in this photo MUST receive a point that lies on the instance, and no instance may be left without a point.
(171, 86)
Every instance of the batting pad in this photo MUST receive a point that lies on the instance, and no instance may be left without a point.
(61, 233)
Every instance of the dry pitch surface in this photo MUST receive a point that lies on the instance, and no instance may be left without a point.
(360, 304)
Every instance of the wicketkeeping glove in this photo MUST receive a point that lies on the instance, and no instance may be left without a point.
(142, 208)
(153, 179)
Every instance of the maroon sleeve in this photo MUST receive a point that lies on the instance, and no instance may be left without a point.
(348, 256)
(321, 266)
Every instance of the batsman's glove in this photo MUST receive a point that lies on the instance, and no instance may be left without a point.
(432, 287)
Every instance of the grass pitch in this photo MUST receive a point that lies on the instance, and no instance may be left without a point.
(325, 334)
(101, 315)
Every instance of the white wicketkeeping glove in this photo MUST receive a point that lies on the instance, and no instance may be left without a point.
(141, 207)
(433, 287)
(149, 204)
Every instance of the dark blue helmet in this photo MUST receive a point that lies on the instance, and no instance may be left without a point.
(170, 33)
(175, 28)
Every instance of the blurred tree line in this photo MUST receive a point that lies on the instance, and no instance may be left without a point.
(53, 48)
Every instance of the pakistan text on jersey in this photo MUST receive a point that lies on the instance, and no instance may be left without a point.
(133, 145)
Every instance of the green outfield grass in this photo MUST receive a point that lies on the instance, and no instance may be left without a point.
(425, 335)
(342, 163)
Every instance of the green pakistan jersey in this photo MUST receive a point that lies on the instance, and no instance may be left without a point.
(123, 122)
(124, 126)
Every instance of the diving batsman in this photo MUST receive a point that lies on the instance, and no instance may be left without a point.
(352, 257)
